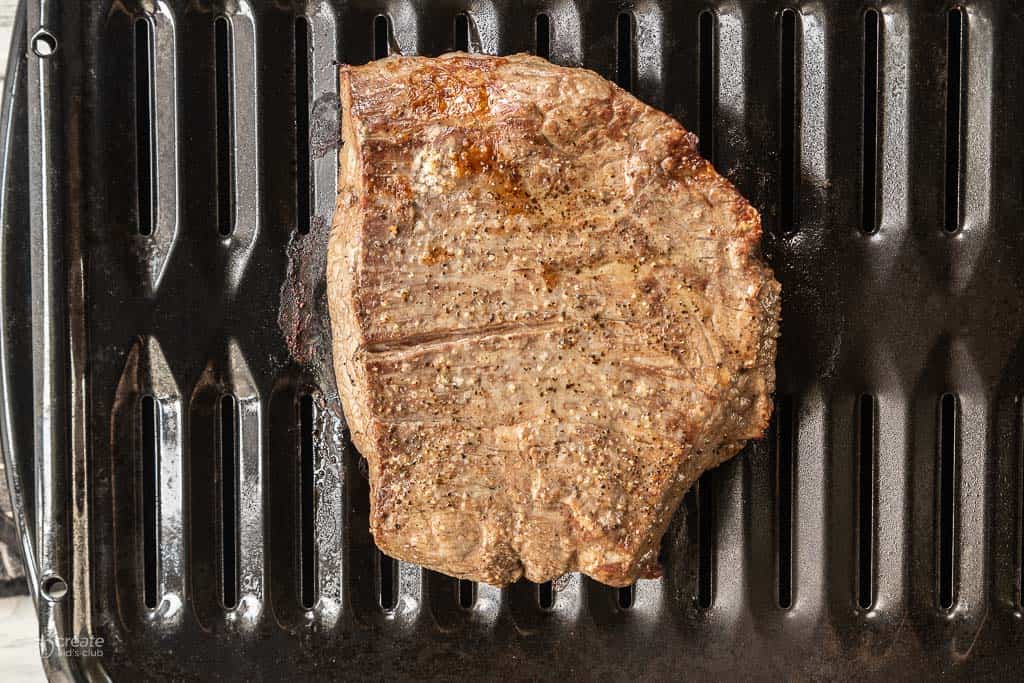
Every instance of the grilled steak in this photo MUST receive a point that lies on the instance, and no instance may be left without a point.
(549, 315)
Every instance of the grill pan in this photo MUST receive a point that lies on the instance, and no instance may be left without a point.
(185, 491)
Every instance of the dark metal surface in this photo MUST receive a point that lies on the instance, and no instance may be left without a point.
(97, 317)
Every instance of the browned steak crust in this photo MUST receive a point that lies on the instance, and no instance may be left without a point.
(549, 315)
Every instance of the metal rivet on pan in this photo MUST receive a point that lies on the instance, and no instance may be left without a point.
(44, 44)
(53, 588)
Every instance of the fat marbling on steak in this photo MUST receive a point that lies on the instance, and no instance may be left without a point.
(549, 315)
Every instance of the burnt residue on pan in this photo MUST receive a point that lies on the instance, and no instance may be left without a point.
(302, 314)
(325, 127)
(304, 320)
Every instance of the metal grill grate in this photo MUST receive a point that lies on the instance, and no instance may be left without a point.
(187, 483)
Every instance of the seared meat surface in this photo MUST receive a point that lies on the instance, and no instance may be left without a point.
(549, 315)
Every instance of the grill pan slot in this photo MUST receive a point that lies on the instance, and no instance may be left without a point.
(784, 468)
(869, 213)
(307, 427)
(956, 35)
(225, 141)
(546, 595)
(387, 578)
(1019, 404)
(789, 138)
(228, 504)
(143, 124)
(705, 493)
(948, 436)
(624, 34)
(865, 501)
(302, 186)
(381, 36)
(150, 418)
(542, 36)
(467, 594)
(461, 33)
(708, 84)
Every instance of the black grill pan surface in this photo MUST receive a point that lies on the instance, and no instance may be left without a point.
(184, 486)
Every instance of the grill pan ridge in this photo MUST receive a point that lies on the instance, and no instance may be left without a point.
(169, 425)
